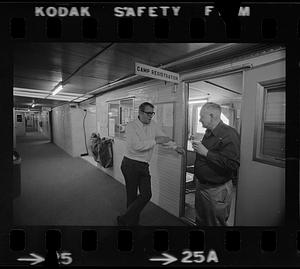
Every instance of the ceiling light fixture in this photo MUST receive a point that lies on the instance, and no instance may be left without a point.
(198, 101)
(57, 89)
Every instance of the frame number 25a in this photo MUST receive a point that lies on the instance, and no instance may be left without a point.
(199, 257)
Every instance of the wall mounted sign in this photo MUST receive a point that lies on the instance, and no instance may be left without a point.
(158, 73)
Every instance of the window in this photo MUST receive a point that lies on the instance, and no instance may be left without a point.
(120, 112)
(195, 128)
(200, 129)
(270, 124)
(224, 119)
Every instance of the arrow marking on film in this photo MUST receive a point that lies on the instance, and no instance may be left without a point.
(35, 259)
(167, 259)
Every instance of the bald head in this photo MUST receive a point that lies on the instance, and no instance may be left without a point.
(210, 115)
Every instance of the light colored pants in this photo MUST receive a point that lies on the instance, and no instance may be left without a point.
(212, 203)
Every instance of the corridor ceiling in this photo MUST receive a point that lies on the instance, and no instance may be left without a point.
(85, 69)
(229, 86)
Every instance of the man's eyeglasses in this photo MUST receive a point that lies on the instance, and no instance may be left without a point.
(151, 114)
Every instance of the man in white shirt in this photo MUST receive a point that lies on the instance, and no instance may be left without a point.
(142, 135)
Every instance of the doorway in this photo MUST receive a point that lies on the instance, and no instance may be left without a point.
(31, 122)
(227, 91)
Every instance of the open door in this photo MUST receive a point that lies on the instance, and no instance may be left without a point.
(226, 91)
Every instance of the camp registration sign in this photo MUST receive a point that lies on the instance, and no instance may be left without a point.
(153, 72)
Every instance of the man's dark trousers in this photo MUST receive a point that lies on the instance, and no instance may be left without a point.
(137, 177)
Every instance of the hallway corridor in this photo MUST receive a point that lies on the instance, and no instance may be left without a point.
(57, 189)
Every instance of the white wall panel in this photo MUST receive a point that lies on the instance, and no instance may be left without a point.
(62, 128)
(68, 132)
(45, 128)
(261, 187)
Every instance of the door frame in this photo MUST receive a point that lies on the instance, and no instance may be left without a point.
(50, 124)
(185, 97)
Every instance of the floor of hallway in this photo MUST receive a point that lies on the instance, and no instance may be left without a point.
(57, 189)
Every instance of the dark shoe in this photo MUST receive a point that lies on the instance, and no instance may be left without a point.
(120, 221)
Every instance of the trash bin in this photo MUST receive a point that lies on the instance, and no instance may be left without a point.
(16, 174)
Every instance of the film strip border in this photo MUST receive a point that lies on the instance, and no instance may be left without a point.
(126, 31)
(161, 22)
(151, 246)
(111, 246)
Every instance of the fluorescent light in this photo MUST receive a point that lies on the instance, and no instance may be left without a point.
(197, 101)
(31, 90)
(58, 89)
(59, 98)
(33, 105)
(25, 94)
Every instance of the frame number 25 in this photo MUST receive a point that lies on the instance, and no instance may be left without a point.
(64, 258)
